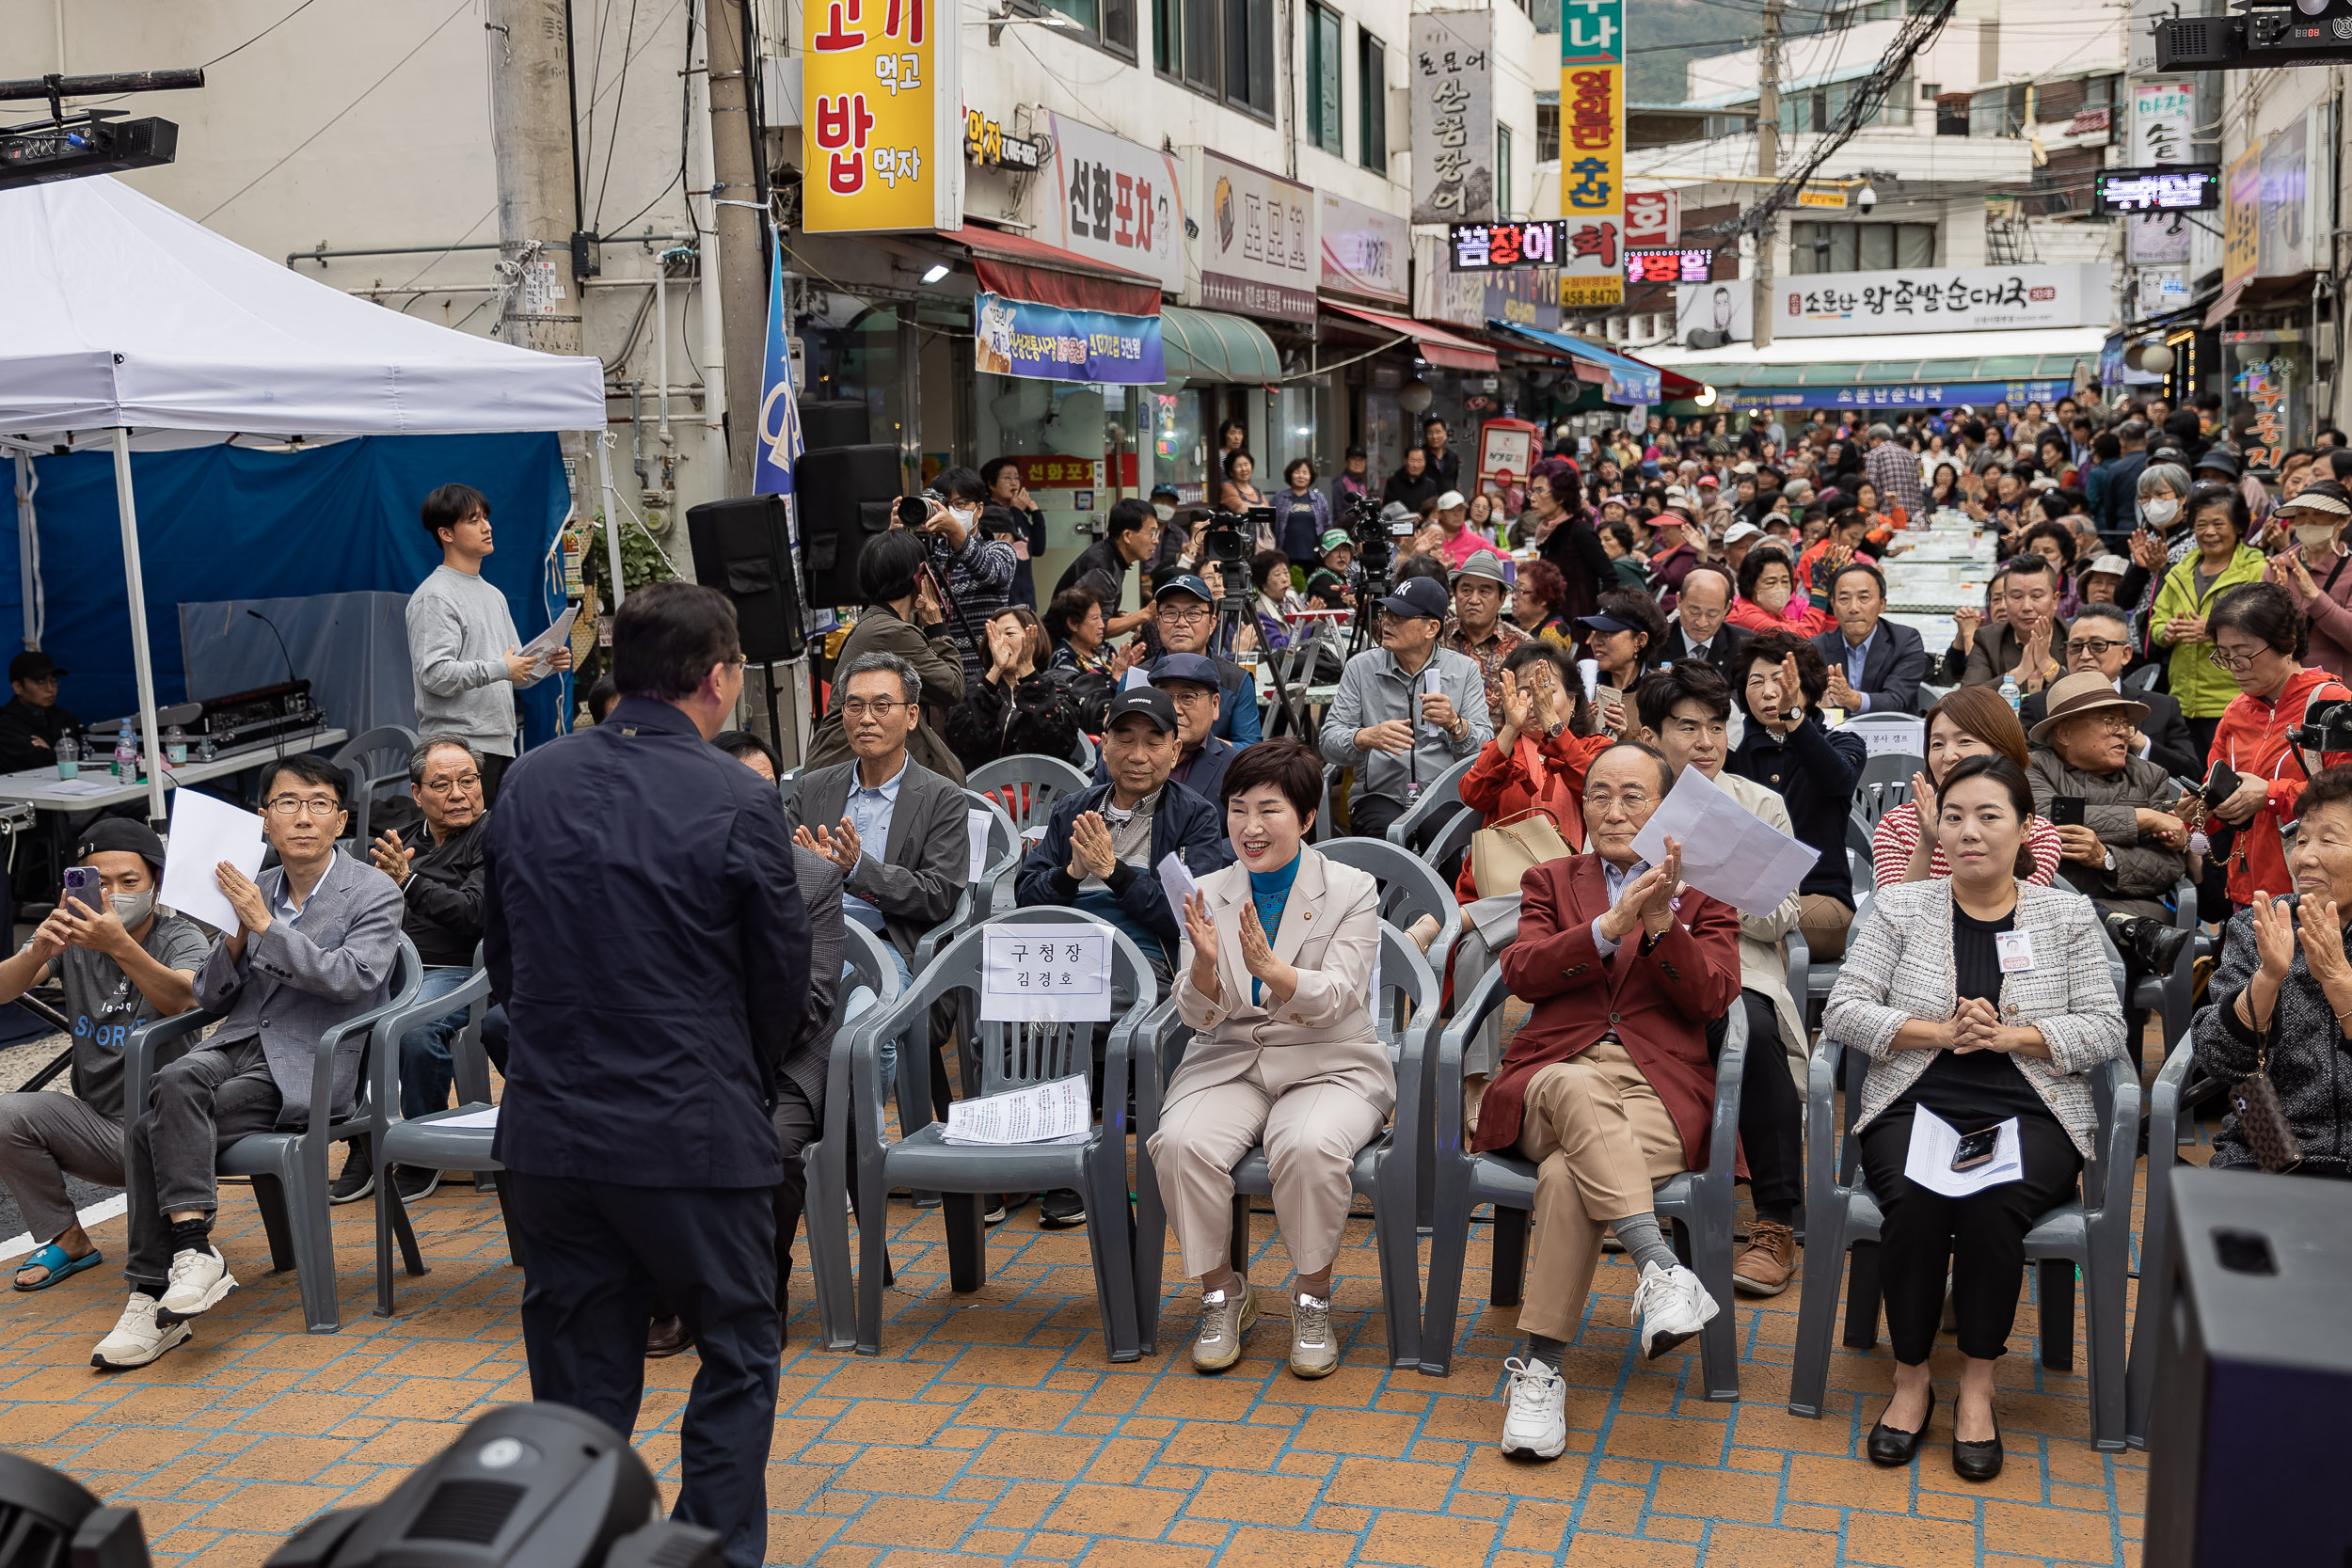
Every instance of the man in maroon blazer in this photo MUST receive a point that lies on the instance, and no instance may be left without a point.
(1608, 1086)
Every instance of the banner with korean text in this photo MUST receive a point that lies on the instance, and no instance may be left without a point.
(882, 136)
(1592, 151)
(1047, 343)
(1454, 117)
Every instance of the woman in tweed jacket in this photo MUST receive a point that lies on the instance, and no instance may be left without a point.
(1983, 999)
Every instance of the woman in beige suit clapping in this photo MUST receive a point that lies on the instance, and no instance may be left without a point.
(1275, 977)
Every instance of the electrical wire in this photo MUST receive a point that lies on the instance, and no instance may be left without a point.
(621, 96)
(462, 7)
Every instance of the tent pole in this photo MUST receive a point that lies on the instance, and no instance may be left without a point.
(28, 549)
(132, 579)
(612, 515)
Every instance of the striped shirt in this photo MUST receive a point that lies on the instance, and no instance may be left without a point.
(1897, 834)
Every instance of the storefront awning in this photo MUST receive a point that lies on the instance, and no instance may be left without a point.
(1439, 348)
(1629, 381)
(1210, 345)
(1018, 267)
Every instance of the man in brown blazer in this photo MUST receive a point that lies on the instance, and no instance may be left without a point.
(1608, 1086)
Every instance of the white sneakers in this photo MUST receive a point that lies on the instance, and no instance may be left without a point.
(1225, 1317)
(1313, 1351)
(137, 1338)
(1669, 1307)
(1536, 1421)
(198, 1281)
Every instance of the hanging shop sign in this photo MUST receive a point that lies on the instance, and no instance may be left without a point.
(1957, 299)
(2241, 221)
(1592, 152)
(1115, 200)
(2266, 383)
(1653, 218)
(881, 135)
(1049, 472)
(1258, 250)
(1944, 394)
(2163, 120)
(1454, 117)
(1482, 246)
(1695, 265)
(1049, 343)
(990, 146)
(2285, 246)
(2175, 189)
(1365, 251)
(1522, 297)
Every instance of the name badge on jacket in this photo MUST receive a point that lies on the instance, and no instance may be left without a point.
(2017, 949)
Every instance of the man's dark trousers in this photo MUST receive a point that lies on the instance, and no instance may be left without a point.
(595, 1249)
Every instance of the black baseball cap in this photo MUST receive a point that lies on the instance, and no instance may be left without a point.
(33, 666)
(1149, 701)
(121, 832)
(1425, 599)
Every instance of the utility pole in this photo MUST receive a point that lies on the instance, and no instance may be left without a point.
(531, 135)
(1767, 167)
(741, 232)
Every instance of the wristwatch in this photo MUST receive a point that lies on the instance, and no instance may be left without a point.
(2109, 861)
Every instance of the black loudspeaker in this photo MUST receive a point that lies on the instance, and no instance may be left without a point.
(846, 495)
(834, 422)
(2252, 1410)
(743, 549)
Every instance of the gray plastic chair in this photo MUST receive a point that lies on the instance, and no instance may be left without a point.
(1385, 1168)
(1446, 849)
(1025, 786)
(289, 1169)
(1886, 783)
(826, 1210)
(974, 904)
(2164, 1120)
(1698, 1204)
(1322, 832)
(2092, 1233)
(369, 761)
(788, 783)
(2173, 996)
(1439, 801)
(1410, 888)
(1010, 1056)
(428, 1141)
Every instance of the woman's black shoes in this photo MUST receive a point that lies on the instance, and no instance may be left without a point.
(1894, 1448)
(1976, 1460)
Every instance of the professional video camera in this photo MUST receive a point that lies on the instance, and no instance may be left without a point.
(2325, 727)
(1376, 541)
(1226, 545)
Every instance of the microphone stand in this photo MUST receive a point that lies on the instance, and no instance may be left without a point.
(290, 669)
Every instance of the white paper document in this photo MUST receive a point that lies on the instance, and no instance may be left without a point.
(1178, 884)
(543, 648)
(472, 1118)
(1929, 1160)
(1046, 974)
(1728, 852)
(1882, 737)
(976, 827)
(1137, 674)
(205, 833)
(106, 786)
(1042, 1114)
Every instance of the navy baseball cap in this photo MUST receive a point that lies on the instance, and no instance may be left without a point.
(1425, 599)
(1605, 623)
(1149, 701)
(1183, 582)
(1195, 668)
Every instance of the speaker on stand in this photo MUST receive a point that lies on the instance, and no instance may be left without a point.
(846, 496)
(742, 546)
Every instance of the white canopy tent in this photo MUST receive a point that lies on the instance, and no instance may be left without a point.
(125, 314)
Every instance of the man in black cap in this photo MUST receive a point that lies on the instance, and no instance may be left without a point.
(31, 722)
(1190, 681)
(1406, 711)
(119, 968)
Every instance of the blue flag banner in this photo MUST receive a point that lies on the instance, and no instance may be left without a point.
(1047, 343)
(780, 441)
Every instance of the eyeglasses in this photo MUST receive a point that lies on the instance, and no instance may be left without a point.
(451, 786)
(858, 707)
(1183, 617)
(2235, 663)
(2114, 723)
(2097, 647)
(1597, 801)
(290, 805)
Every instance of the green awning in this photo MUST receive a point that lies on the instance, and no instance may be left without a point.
(1210, 345)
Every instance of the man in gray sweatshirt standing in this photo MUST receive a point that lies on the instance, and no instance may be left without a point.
(462, 638)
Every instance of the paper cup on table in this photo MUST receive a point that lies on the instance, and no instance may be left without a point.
(1590, 669)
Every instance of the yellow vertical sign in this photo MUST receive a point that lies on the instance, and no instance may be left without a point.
(2241, 217)
(881, 138)
(1592, 152)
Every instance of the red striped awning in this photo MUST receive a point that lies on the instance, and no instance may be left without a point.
(1018, 267)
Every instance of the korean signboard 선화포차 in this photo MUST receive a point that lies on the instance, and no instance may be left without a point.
(1115, 200)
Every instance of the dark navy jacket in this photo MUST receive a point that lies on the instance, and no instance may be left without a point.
(1184, 825)
(1815, 769)
(644, 924)
(1207, 778)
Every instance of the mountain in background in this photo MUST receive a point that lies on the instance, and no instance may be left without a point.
(1664, 36)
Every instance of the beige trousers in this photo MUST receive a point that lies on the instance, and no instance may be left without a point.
(1823, 920)
(1312, 1135)
(1601, 1140)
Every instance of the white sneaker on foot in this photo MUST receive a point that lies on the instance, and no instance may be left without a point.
(1225, 1318)
(198, 1281)
(1536, 1420)
(137, 1338)
(1315, 1350)
(1669, 1305)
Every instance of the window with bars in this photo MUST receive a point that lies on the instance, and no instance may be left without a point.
(1323, 80)
(1224, 48)
(1548, 130)
(1860, 246)
(1371, 91)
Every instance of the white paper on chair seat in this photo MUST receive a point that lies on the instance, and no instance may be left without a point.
(205, 833)
(1929, 1161)
(1043, 1113)
(472, 1118)
(1728, 852)
(976, 828)
(1046, 975)
(1880, 737)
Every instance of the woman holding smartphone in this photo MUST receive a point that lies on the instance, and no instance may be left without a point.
(1981, 999)
(1621, 639)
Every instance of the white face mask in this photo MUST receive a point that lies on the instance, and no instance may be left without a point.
(1166, 510)
(2315, 536)
(963, 513)
(2160, 511)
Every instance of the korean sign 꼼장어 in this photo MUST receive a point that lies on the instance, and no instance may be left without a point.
(885, 117)
(1954, 299)
(1452, 66)
(1484, 246)
(1259, 255)
(2163, 120)
(1365, 251)
(1592, 151)
(1049, 343)
(1115, 200)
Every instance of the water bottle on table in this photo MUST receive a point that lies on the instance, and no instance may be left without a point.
(126, 754)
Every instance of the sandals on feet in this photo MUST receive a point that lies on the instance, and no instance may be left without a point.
(52, 1256)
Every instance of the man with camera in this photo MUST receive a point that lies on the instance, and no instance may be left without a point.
(977, 568)
(1406, 711)
(1187, 624)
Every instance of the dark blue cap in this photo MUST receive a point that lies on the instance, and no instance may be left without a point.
(1196, 667)
(1421, 597)
(1184, 582)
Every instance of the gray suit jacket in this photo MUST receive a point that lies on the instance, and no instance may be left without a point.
(298, 981)
(821, 888)
(914, 879)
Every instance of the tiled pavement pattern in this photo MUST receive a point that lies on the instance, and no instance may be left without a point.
(993, 1430)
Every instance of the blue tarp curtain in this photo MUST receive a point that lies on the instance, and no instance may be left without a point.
(222, 522)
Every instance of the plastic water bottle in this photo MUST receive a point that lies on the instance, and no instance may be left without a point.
(176, 746)
(69, 757)
(2009, 692)
(126, 754)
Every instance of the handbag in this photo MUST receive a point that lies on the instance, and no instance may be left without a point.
(1505, 852)
(2262, 1121)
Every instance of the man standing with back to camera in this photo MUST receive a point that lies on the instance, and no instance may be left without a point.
(655, 968)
